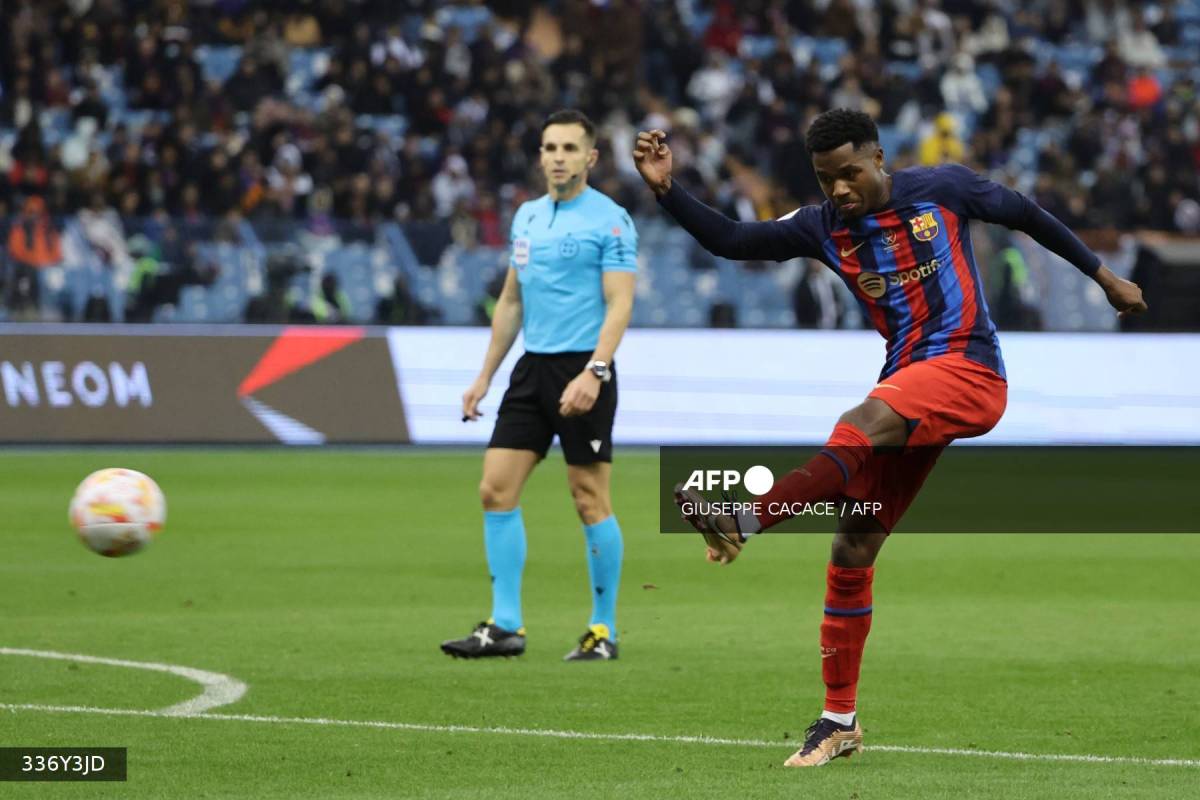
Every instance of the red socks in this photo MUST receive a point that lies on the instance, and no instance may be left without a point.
(844, 633)
(822, 478)
(848, 589)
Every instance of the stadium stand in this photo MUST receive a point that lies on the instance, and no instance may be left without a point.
(388, 143)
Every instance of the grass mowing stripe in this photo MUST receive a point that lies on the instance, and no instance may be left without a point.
(605, 737)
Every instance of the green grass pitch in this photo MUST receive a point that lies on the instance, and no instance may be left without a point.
(325, 579)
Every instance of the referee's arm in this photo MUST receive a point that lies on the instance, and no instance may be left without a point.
(618, 301)
(506, 324)
(581, 393)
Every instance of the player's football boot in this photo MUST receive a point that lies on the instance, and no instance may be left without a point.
(594, 646)
(488, 639)
(826, 740)
(721, 532)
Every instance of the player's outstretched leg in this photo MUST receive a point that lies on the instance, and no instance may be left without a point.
(869, 424)
(827, 473)
(823, 477)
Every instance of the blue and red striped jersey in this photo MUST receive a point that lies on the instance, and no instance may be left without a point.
(913, 272)
(909, 264)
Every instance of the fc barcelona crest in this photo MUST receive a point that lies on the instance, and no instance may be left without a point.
(924, 227)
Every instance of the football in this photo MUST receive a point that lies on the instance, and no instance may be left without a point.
(117, 512)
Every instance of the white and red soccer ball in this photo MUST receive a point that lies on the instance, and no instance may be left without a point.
(117, 512)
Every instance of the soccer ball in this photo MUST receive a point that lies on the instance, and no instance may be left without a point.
(117, 512)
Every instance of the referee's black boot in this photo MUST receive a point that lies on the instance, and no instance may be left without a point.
(594, 646)
(488, 639)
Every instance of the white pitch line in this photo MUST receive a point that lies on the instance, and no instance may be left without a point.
(1081, 759)
(605, 737)
(219, 690)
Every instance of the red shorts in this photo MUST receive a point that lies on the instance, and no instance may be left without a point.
(944, 398)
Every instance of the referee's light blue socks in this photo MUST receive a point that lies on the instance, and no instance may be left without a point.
(504, 538)
(605, 548)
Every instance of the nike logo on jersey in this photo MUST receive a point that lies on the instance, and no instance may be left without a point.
(847, 253)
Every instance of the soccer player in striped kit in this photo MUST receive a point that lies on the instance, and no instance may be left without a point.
(901, 243)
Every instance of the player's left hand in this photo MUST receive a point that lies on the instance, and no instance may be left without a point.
(1125, 296)
(580, 395)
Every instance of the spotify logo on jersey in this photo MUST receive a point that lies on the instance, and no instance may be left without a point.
(872, 284)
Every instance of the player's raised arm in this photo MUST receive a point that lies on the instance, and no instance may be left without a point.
(506, 324)
(744, 241)
(993, 202)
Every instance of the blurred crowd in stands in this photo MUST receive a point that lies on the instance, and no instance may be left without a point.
(148, 126)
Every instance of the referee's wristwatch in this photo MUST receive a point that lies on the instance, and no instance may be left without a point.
(600, 370)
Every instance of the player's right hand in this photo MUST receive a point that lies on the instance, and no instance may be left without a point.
(653, 160)
(1125, 296)
(472, 396)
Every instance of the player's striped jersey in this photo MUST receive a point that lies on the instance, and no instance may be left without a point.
(912, 270)
(910, 264)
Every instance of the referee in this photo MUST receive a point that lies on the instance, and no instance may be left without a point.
(570, 287)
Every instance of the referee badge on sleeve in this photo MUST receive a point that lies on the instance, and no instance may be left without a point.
(520, 252)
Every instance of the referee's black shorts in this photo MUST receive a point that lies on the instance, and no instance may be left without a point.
(528, 418)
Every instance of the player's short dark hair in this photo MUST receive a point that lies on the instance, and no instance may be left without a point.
(570, 116)
(837, 126)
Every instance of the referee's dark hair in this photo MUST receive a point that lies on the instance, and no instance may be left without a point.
(837, 126)
(570, 116)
